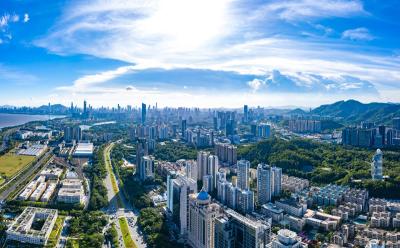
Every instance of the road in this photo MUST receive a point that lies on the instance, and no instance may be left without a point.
(62, 241)
(23, 175)
(119, 206)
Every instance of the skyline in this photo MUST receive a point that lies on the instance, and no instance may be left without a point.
(204, 54)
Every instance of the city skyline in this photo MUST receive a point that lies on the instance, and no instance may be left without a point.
(204, 54)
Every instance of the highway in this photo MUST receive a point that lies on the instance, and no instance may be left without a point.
(119, 206)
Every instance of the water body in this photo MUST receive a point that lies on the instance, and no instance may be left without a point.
(87, 127)
(10, 120)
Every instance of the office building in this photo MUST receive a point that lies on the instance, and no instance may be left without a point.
(202, 215)
(376, 165)
(202, 164)
(183, 127)
(287, 239)
(243, 174)
(71, 191)
(212, 169)
(144, 113)
(178, 190)
(142, 149)
(245, 114)
(237, 231)
(264, 185)
(33, 226)
(396, 123)
(146, 168)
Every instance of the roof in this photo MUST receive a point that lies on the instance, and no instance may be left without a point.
(202, 195)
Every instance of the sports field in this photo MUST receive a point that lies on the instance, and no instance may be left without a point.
(11, 163)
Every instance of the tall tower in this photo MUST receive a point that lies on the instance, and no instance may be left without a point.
(144, 112)
(202, 215)
(245, 113)
(276, 181)
(243, 174)
(264, 186)
(84, 106)
(376, 165)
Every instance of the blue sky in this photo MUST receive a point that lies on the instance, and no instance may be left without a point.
(205, 53)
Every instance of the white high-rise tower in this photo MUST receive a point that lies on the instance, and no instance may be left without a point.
(376, 165)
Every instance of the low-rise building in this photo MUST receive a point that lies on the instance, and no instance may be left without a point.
(24, 230)
(292, 207)
(35, 196)
(287, 239)
(273, 212)
(71, 191)
(48, 193)
(294, 184)
(321, 220)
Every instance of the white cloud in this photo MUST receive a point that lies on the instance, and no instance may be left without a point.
(256, 84)
(297, 10)
(26, 17)
(89, 80)
(357, 34)
(211, 35)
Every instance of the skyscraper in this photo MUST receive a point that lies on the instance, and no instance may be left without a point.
(245, 113)
(264, 185)
(144, 111)
(276, 181)
(243, 174)
(202, 164)
(212, 169)
(376, 165)
(396, 123)
(178, 190)
(146, 169)
(183, 128)
(142, 149)
(84, 107)
(202, 215)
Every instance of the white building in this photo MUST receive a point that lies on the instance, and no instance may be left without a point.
(146, 168)
(276, 181)
(71, 191)
(287, 239)
(243, 174)
(182, 188)
(264, 185)
(376, 165)
(84, 150)
(202, 214)
(21, 229)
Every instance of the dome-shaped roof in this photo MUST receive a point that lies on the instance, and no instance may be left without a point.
(202, 195)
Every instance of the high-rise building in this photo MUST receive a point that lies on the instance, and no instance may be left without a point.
(377, 165)
(245, 201)
(170, 191)
(287, 239)
(84, 107)
(183, 127)
(212, 169)
(264, 184)
(72, 134)
(207, 183)
(202, 215)
(396, 123)
(142, 149)
(178, 190)
(243, 174)
(191, 169)
(276, 181)
(202, 164)
(244, 232)
(146, 169)
(245, 113)
(226, 153)
(144, 112)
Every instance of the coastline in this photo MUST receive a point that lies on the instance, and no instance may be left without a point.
(23, 119)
